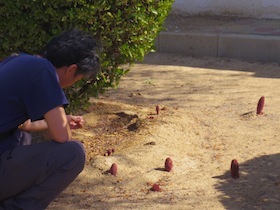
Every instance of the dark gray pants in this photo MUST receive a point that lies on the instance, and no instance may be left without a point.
(31, 176)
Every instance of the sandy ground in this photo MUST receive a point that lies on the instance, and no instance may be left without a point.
(207, 118)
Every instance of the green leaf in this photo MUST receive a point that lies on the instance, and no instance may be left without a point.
(127, 30)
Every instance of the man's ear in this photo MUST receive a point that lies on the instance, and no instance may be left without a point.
(71, 70)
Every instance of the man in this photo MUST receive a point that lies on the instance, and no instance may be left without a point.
(32, 99)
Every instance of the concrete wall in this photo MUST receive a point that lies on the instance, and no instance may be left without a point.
(240, 8)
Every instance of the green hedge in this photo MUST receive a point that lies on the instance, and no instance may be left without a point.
(127, 29)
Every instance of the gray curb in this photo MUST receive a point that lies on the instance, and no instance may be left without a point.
(263, 48)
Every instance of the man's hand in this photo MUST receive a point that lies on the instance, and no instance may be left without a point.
(75, 122)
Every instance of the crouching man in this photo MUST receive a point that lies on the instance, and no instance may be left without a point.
(32, 99)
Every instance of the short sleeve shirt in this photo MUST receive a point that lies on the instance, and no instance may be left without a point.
(29, 88)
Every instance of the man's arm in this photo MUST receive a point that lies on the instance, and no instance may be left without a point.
(74, 122)
(58, 125)
(29, 126)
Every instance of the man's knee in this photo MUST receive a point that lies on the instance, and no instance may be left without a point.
(70, 156)
(76, 152)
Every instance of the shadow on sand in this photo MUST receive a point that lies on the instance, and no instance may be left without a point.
(257, 188)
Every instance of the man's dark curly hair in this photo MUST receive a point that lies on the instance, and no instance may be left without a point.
(74, 46)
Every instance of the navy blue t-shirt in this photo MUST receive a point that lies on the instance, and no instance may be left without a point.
(29, 88)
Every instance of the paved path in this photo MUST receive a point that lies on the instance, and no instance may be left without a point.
(247, 39)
